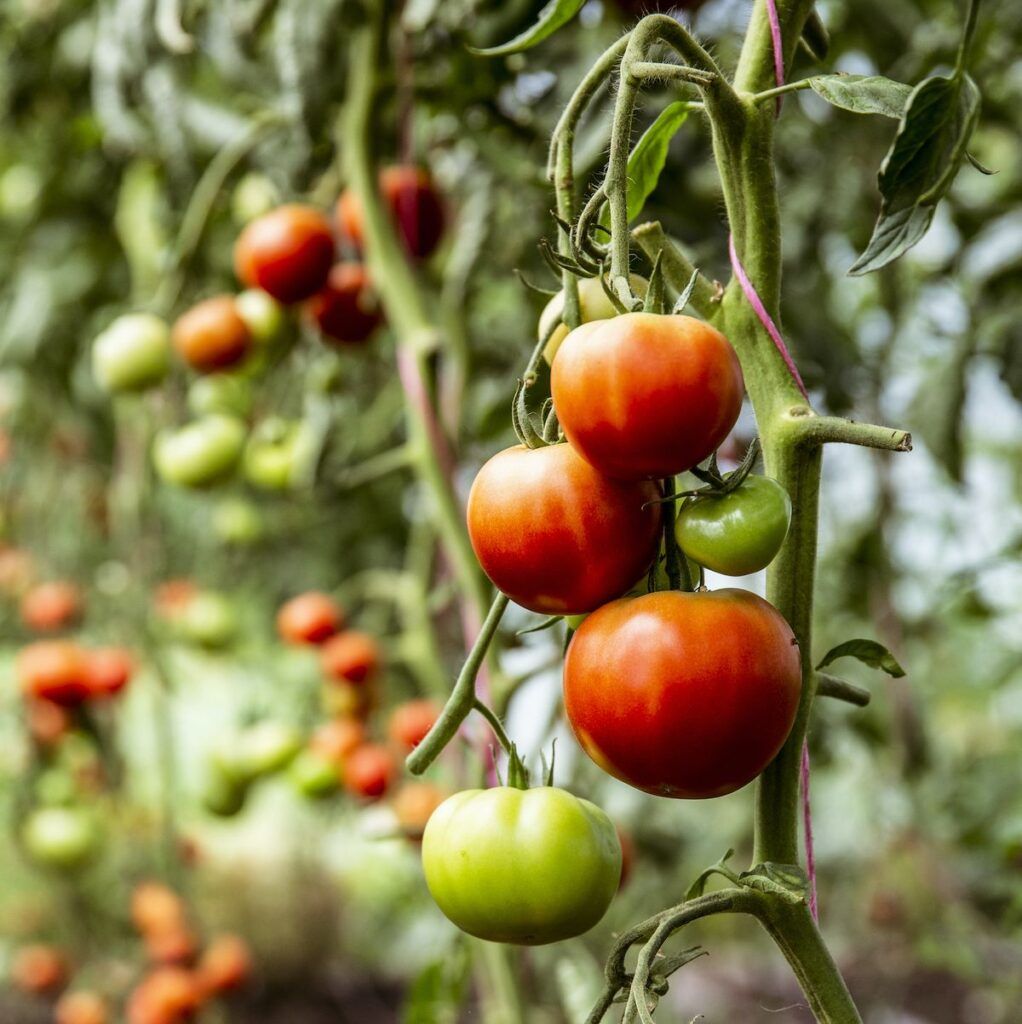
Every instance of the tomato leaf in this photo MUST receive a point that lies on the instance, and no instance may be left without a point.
(927, 152)
(551, 18)
(869, 652)
(788, 881)
(863, 94)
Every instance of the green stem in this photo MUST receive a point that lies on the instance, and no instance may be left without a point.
(495, 724)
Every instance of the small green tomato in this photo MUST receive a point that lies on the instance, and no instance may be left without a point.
(201, 453)
(132, 354)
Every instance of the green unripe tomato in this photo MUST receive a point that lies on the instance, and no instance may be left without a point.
(279, 454)
(254, 195)
(593, 305)
(62, 838)
(262, 314)
(313, 776)
(737, 533)
(132, 354)
(223, 796)
(265, 748)
(237, 521)
(208, 620)
(55, 788)
(228, 394)
(201, 453)
(521, 866)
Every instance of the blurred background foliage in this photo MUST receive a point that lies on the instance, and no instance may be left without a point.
(111, 116)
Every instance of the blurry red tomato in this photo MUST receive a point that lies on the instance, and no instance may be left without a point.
(309, 618)
(50, 606)
(346, 309)
(107, 671)
(369, 771)
(39, 969)
(53, 670)
(410, 722)
(350, 657)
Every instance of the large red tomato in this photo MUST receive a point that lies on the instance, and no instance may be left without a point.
(211, 335)
(557, 536)
(287, 252)
(645, 395)
(346, 309)
(683, 695)
(413, 202)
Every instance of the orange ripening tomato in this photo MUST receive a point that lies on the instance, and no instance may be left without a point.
(82, 1007)
(414, 204)
(557, 536)
(309, 618)
(108, 671)
(287, 252)
(53, 670)
(155, 907)
(369, 771)
(50, 606)
(683, 695)
(337, 739)
(225, 965)
(39, 969)
(414, 803)
(350, 657)
(346, 309)
(167, 995)
(211, 335)
(410, 722)
(177, 945)
(47, 723)
(645, 395)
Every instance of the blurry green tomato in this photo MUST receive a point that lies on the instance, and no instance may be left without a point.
(62, 838)
(226, 393)
(265, 748)
(253, 196)
(208, 620)
(237, 521)
(262, 314)
(223, 796)
(200, 453)
(279, 454)
(54, 788)
(132, 354)
(313, 776)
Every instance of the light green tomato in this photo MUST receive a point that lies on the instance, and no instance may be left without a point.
(279, 454)
(262, 314)
(201, 453)
(237, 521)
(593, 305)
(228, 394)
(222, 795)
(62, 838)
(254, 195)
(265, 748)
(132, 354)
(521, 866)
(737, 533)
(208, 620)
(313, 776)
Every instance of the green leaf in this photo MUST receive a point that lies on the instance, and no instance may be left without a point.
(788, 881)
(551, 18)
(863, 94)
(869, 652)
(927, 152)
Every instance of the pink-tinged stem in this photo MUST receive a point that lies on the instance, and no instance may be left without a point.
(807, 822)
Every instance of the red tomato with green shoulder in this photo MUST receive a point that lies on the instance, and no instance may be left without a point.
(556, 535)
(683, 695)
(646, 395)
(527, 867)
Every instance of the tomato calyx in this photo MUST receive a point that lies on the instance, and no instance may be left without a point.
(719, 485)
(534, 428)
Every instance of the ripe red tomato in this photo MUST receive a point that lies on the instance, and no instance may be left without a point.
(645, 395)
(413, 202)
(53, 670)
(225, 965)
(337, 739)
(410, 722)
(287, 252)
(173, 946)
(167, 995)
(82, 1007)
(346, 309)
(683, 695)
(350, 657)
(38, 969)
(555, 535)
(107, 671)
(211, 335)
(309, 618)
(51, 606)
(369, 771)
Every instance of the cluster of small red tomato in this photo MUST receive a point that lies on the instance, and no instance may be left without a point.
(180, 976)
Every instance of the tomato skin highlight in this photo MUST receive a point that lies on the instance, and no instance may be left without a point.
(345, 309)
(683, 695)
(645, 395)
(521, 866)
(287, 252)
(555, 535)
(211, 335)
(738, 533)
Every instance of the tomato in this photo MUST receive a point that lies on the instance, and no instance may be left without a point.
(132, 354)
(53, 670)
(645, 395)
(342, 699)
(287, 252)
(335, 741)
(254, 195)
(313, 775)
(47, 723)
(414, 804)
(222, 795)
(225, 965)
(593, 305)
(737, 533)
(351, 657)
(225, 393)
(237, 522)
(176, 945)
(167, 995)
(201, 453)
(309, 618)
(208, 620)
(683, 695)
(413, 202)
(410, 722)
(523, 866)
(39, 969)
(51, 606)
(346, 309)
(155, 907)
(82, 1007)
(107, 671)
(369, 771)
(62, 838)
(279, 454)
(211, 335)
(262, 314)
(264, 748)
(555, 535)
